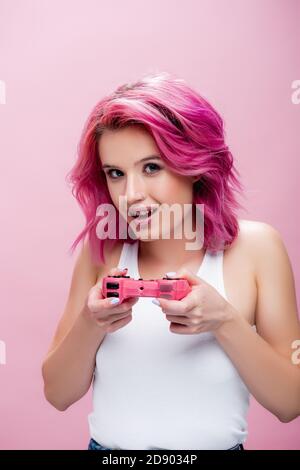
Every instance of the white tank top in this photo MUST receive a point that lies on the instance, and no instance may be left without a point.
(154, 389)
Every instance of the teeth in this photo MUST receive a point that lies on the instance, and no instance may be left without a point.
(143, 214)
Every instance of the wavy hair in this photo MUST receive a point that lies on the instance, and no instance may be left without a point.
(189, 133)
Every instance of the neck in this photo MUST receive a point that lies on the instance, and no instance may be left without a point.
(173, 251)
(166, 252)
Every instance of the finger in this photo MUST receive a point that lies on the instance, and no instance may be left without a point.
(117, 316)
(99, 306)
(178, 307)
(116, 270)
(124, 306)
(119, 323)
(180, 320)
(115, 319)
(181, 329)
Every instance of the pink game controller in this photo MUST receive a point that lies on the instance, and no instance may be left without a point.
(124, 287)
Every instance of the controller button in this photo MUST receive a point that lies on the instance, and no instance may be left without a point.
(112, 294)
(112, 285)
(166, 287)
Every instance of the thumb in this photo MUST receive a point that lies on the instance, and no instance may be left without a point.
(184, 273)
(115, 271)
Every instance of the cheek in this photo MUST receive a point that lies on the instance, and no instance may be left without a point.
(175, 190)
(114, 192)
(115, 198)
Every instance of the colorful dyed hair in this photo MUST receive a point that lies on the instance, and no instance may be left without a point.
(189, 133)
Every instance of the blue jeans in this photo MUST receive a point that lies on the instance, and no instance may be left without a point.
(93, 445)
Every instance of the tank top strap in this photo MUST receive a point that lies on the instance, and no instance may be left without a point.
(212, 270)
(128, 258)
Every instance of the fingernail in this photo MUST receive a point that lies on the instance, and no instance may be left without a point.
(156, 302)
(171, 274)
(114, 301)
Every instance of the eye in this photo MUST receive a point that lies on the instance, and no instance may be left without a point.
(109, 173)
(148, 165)
(157, 167)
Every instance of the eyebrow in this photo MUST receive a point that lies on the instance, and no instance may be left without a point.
(150, 157)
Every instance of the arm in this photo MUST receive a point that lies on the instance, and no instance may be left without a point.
(69, 365)
(264, 358)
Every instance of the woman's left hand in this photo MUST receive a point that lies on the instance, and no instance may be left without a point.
(203, 309)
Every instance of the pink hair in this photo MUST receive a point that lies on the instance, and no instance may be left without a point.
(189, 133)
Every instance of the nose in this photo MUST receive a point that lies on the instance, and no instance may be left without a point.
(134, 191)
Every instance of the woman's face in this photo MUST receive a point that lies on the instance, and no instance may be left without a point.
(142, 183)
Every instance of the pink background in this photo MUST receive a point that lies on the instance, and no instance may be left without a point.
(57, 59)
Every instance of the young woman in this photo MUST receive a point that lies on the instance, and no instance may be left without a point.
(178, 374)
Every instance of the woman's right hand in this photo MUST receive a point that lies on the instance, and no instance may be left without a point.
(106, 315)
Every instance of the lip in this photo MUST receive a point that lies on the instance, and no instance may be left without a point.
(143, 222)
(143, 209)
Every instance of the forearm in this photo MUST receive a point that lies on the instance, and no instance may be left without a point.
(271, 378)
(68, 370)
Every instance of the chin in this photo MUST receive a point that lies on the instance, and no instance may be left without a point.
(145, 234)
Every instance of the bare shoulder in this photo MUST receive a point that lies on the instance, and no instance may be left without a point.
(269, 253)
(276, 308)
(258, 238)
(255, 242)
(248, 244)
(256, 228)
